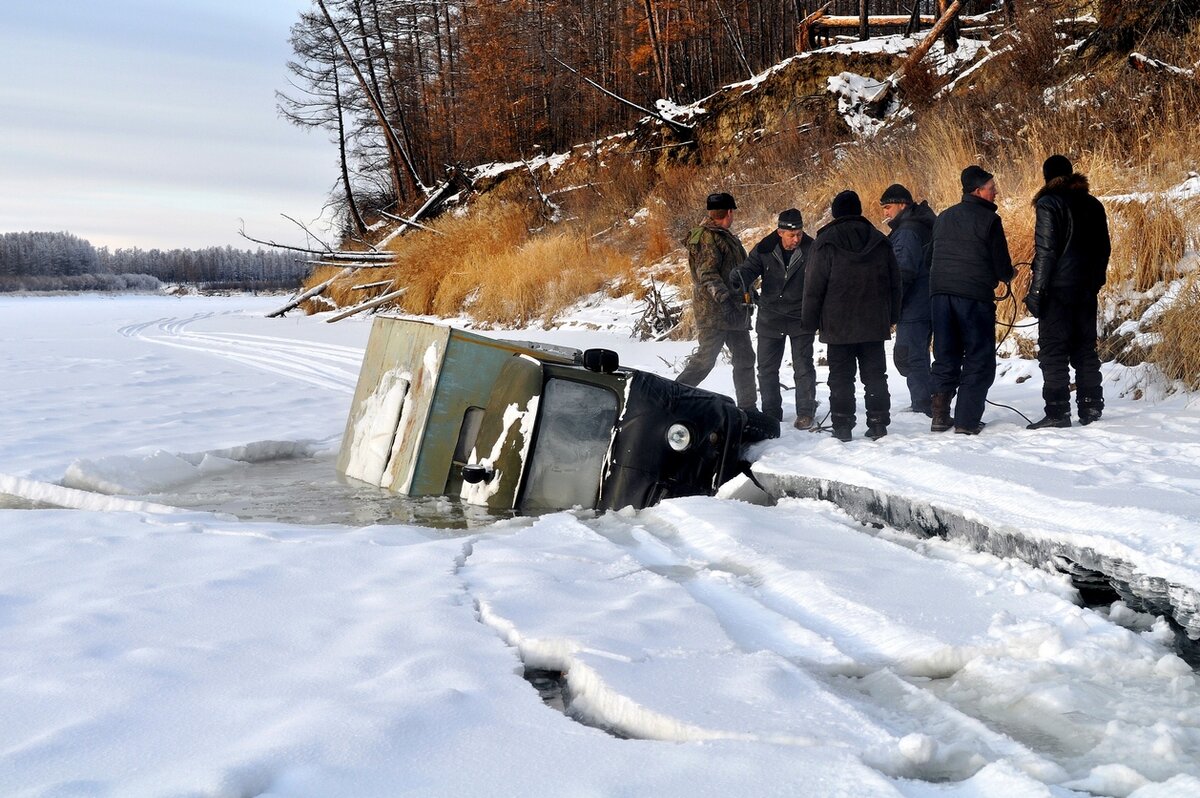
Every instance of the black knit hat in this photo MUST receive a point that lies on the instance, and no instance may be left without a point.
(1056, 166)
(791, 219)
(896, 193)
(973, 177)
(721, 202)
(846, 204)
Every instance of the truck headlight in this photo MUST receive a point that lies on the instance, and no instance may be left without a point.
(679, 437)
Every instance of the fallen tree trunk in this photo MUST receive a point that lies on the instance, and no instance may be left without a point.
(1144, 63)
(372, 303)
(804, 27)
(893, 20)
(312, 292)
(877, 101)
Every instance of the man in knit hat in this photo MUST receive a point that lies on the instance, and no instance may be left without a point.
(911, 230)
(970, 258)
(1069, 268)
(780, 260)
(721, 320)
(852, 296)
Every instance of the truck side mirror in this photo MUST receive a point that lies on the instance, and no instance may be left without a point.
(604, 361)
(475, 474)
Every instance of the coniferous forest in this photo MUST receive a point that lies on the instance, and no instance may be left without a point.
(40, 261)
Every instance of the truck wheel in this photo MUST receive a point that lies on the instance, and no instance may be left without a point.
(759, 427)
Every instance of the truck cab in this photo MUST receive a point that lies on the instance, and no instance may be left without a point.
(530, 427)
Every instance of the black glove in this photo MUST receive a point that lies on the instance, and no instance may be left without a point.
(719, 293)
(1033, 303)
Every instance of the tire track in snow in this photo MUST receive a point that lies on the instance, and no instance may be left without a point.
(327, 366)
(783, 589)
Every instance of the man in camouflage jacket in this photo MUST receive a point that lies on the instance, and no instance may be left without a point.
(722, 318)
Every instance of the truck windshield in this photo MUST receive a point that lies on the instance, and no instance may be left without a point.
(574, 431)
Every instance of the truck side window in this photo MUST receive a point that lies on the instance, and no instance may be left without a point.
(575, 428)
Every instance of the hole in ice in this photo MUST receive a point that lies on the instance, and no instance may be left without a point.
(308, 490)
(552, 687)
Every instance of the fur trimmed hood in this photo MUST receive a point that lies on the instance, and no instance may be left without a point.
(1061, 185)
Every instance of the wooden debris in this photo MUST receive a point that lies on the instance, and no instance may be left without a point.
(312, 292)
(371, 303)
(659, 317)
(878, 100)
(1144, 63)
(365, 286)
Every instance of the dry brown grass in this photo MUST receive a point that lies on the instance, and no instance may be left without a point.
(1178, 353)
(487, 264)
(1149, 241)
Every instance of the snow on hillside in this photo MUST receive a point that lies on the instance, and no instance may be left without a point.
(710, 646)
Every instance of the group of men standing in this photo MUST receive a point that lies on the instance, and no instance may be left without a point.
(933, 278)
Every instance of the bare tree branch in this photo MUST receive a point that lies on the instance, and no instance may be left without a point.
(679, 126)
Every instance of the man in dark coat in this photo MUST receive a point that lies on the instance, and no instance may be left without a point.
(1069, 268)
(912, 230)
(780, 260)
(852, 296)
(721, 318)
(970, 258)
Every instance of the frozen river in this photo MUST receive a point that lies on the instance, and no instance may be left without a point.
(224, 616)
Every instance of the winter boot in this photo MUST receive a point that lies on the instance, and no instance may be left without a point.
(940, 403)
(842, 426)
(1058, 416)
(1090, 409)
(877, 424)
(975, 430)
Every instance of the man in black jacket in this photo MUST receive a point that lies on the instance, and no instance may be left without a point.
(912, 229)
(852, 295)
(1069, 268)
(970, 258)
(780, 260)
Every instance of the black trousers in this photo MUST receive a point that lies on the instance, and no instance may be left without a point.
(871, 360)
(804, 373)
(964, 353)
(1067, 340)
(704, 358)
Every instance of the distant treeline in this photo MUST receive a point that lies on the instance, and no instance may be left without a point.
(37, 261)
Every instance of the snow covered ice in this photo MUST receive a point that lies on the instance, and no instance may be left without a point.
(729, 648)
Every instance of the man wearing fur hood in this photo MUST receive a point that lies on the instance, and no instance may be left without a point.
(1069, 268)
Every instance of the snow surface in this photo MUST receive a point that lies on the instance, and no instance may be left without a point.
(711, 646)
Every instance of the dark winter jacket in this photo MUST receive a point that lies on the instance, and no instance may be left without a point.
(782, 290)
(1070, 239)
(852, 286)
(713, 254)
(912, 230)
(970, 252)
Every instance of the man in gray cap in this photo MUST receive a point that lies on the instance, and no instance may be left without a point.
(779, 260)
(970, 258)
(721, 318)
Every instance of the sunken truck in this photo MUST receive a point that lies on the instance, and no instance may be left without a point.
(530, 427)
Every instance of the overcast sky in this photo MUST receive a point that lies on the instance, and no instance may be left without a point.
(151, 123)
